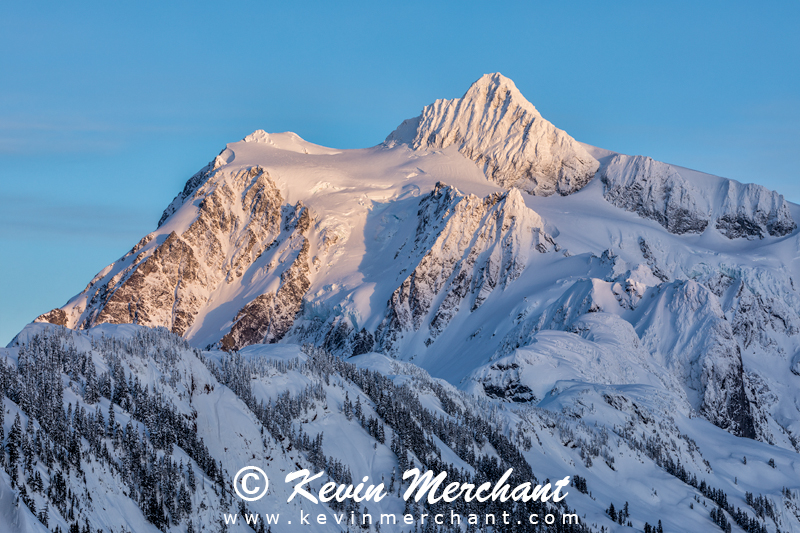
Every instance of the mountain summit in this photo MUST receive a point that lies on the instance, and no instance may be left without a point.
(495, 126)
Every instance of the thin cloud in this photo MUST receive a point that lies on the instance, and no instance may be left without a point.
(27, 217)
(34, 135)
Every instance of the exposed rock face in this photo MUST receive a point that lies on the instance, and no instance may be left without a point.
(659, 191)
(762, 307)
(495, 126)
(655, 190)
(166, 280)
(477, 245)
(649, 257)
(190, 188)
(270, 316)
(762, 311)
(504, 381)
(56, 316)
(161, 290)
(752, 211)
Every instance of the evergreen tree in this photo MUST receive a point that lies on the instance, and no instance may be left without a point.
(348, 407)
(358, 412)
(13, 445)
(104, 385)
(27, 446)
(112, 422)
(190, 478)
(44, 516)
(91, 393)
(612, 513)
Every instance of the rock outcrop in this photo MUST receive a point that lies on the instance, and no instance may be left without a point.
(165, 280)
(661, 192)
(269, 317)
(699, 347)
(752, 211)
(655, 190)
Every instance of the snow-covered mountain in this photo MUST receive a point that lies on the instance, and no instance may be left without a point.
(638, 329)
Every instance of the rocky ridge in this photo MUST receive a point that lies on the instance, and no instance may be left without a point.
(661, 192)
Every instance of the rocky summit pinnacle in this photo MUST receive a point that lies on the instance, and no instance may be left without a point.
(495, 126)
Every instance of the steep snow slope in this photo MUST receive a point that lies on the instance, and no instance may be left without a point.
(16, 517)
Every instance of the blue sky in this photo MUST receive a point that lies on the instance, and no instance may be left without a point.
(106, 108)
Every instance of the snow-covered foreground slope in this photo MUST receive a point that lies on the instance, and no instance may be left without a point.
(185, 421)
(641, 287)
